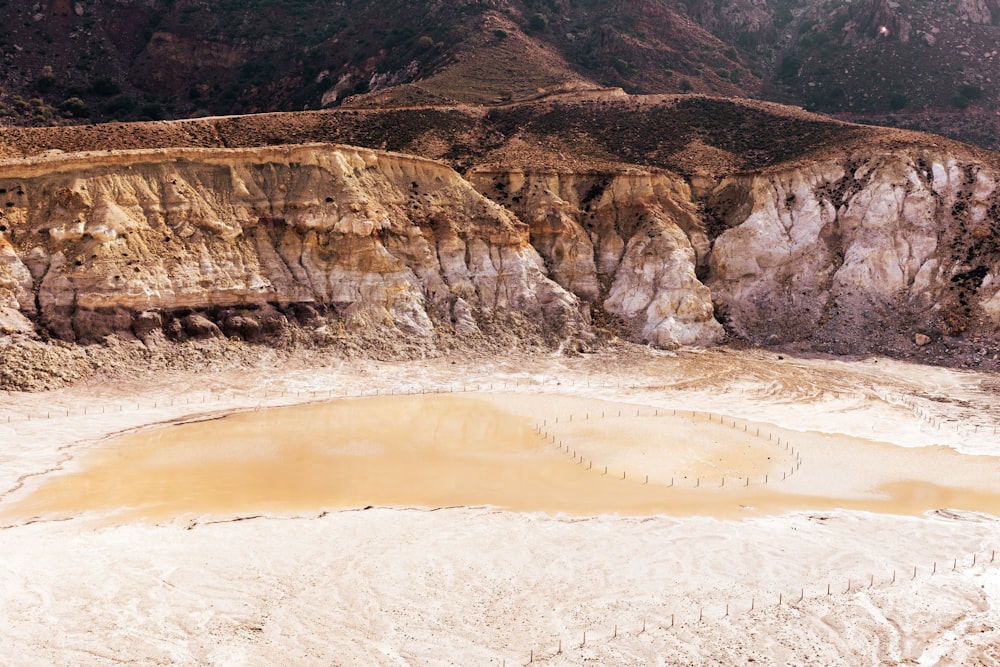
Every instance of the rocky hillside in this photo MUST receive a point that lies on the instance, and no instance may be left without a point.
(913, 63)
(572, 219)
(929, 65)
(98, 60)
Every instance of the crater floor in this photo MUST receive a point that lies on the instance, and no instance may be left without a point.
(482, 540)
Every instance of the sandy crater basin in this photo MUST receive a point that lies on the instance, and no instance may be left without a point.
(530, 453)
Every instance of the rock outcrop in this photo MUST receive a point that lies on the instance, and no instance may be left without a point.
(199, 243)
(798, 232)
(628, 244)
(861, 253)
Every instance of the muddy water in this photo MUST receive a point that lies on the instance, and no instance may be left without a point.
(438, 451)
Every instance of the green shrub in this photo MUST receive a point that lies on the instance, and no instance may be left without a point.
(537, 22)
(686, 86)
(119, 106)
(46, 81)
(897, 101)
(789, 67)
(75, 107)
(152, 111)
(104, 86)
(970, 91)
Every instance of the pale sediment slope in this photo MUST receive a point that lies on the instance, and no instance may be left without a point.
(200, 243)
(885, 249)
(192, 243)
(630, 243)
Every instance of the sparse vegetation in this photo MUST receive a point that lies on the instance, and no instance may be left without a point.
(46, 81)
(970, 91)
(75, 107)
(193, 57)
(104, 86)
(789, 68)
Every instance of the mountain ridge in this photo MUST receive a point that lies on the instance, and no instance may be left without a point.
(928, 66)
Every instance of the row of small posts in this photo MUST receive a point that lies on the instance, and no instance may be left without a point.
(541, 429)
(762, 603)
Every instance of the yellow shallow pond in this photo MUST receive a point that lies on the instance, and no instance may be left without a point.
(444, 450)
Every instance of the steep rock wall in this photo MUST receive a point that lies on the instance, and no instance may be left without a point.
(861, 253)
(629, 244)
(201, 243)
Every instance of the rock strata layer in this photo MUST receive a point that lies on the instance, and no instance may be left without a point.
(869, 250)
(627, 244)
(205, 243)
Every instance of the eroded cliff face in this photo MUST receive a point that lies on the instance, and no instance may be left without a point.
(890, 251)
(628, 244)
(881, 252)
(194, 243)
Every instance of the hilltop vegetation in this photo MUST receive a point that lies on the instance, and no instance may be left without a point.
(914, 63)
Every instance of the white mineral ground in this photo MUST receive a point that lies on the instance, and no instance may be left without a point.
(245, 540)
